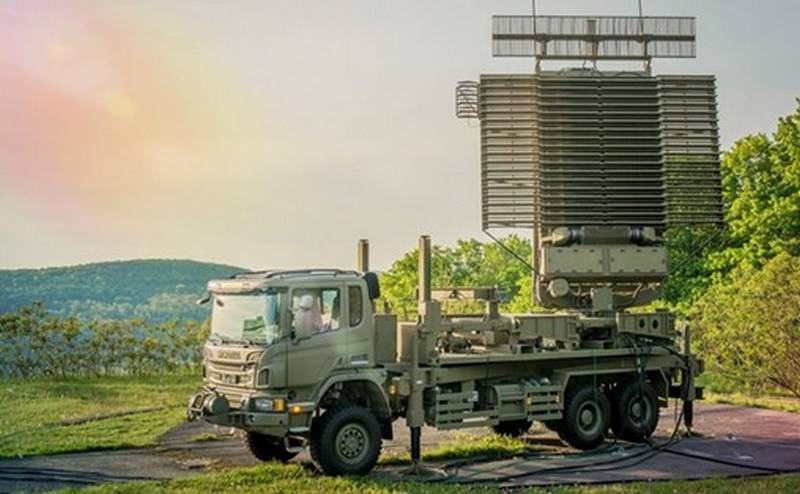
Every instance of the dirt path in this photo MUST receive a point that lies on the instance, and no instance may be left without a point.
(746, 436)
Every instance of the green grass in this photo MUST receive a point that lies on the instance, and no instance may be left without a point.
(295, 479)
(723, 389)
(771, 402)
(466, 445)
(36, 414)
(204, 437)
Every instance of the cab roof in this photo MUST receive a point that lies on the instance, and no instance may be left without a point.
(254, 280)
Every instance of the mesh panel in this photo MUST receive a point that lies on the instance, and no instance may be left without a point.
(575, 149)
(597, 37)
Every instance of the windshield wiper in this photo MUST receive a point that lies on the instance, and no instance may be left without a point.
(219, 338)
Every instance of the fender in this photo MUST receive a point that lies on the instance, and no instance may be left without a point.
(375, 378)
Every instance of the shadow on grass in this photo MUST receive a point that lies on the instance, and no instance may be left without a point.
(466, 446)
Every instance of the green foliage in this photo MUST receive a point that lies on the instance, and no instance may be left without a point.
(742, 287)
(761, 188)
(690, 274)
(761, 184)
(469, 264)
(46, 416)
(36, 343)
(749, 326)
(155, 290)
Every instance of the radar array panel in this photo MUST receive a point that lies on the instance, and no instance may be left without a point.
(581, 147)
(565, 37)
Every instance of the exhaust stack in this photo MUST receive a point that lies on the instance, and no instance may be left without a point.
(362, 256)
(424, 294)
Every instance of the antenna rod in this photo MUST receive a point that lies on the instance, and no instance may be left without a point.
(645, 51)
(535, 55)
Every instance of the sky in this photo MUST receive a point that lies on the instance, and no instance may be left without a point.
(277, 133)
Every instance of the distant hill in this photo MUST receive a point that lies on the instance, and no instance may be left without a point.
(154, 289)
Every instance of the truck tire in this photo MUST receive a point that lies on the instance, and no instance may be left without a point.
(586, 418)
(267, 448)
(635, 412)
(512, 428)
(346, 440)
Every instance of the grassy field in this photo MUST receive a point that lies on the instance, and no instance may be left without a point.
(51, 416)
(293, 478)
(719, 389)
(60, 415)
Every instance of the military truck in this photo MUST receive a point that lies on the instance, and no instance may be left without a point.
(596, 165)
(300, 358)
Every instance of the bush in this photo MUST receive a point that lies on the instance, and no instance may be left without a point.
(36, 343)
(748, 328)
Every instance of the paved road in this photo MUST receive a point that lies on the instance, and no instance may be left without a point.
(745, 436)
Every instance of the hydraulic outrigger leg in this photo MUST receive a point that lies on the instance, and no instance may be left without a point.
(414, 414)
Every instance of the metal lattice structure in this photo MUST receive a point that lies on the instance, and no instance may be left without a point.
(588, 148)
(593, 37)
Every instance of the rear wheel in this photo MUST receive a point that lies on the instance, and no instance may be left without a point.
(268, 448)
(346, 440)
(586, 418)
(636, 412)
(512, 428)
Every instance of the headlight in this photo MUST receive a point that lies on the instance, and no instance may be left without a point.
(263, 404)
(269, 404)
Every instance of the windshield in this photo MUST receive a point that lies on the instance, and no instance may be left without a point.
(247, 318)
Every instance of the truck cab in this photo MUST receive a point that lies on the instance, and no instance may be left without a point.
(285, 346)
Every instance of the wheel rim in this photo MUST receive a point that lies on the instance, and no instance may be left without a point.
(639, 412)
(589, 418)
(352, 442)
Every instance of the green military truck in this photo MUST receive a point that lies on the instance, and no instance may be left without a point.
(596, 166)
(300, 358)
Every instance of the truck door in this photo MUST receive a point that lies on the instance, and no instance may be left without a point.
(313, 356)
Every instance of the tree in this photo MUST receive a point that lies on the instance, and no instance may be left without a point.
(469, 264)
(749, 326)
(761, 189)
(761, 186)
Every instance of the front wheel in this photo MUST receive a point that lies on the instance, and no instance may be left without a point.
(346, 440)
(268, 448)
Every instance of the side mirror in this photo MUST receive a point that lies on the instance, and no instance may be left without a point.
(373, 287)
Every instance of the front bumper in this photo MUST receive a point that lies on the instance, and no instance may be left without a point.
(214, 408)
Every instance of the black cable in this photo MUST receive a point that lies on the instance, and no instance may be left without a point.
(730, 463)
(28, 474)
(457, 464)
(564, 468)
(691, 256)
(509, 250)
